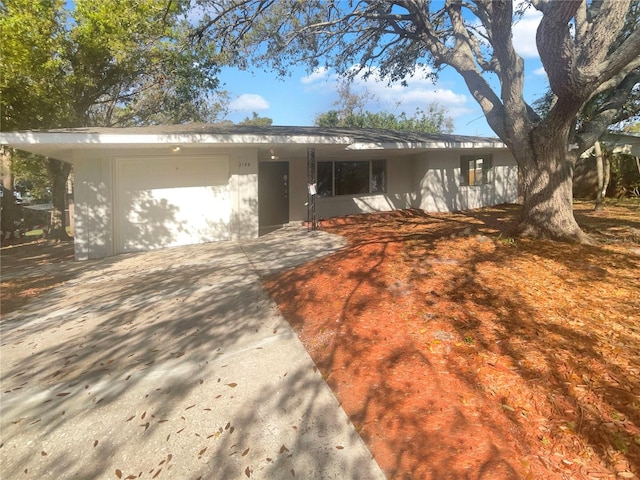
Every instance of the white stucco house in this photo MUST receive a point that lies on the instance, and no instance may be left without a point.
(143, 188)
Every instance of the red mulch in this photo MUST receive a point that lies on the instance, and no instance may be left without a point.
(459, 352)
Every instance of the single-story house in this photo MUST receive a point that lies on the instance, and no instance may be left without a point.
(143, 188)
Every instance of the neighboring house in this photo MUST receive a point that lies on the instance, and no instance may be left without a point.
(152, 187)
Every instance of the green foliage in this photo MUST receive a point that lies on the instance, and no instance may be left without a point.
(433, 121)
(31, 64)
(256, 120)
(351, 113)
(31, 176)
(80, 63)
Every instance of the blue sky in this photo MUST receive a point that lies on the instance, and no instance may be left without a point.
(297, 99)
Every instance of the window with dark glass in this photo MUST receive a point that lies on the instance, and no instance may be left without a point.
(475, 169)
(324, 187)
(378, 176)
(351, 178)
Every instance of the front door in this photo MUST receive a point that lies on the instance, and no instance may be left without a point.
(273, 195)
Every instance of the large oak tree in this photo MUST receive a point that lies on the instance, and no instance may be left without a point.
(586, 47)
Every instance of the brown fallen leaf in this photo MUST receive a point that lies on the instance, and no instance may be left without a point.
(118, 473)
(247, 472)
(232, 385)
(339, 447)
(95, 443)
(245, 452)
(283, 449)
(201, 452)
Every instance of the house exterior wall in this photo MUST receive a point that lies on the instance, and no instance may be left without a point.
(243, 184)
(438, 185)
(430, 181)
(93, 202)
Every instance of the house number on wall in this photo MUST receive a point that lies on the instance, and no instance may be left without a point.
(244, 164)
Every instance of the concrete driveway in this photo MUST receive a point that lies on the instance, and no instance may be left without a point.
(172, 364)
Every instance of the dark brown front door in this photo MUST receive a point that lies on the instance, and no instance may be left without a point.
(273, 196)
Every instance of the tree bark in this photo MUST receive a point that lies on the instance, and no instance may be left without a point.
(59, 173)
(547, 175)
(9, 210)
(600, 172)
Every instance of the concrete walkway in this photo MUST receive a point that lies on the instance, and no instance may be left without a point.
(172, 364)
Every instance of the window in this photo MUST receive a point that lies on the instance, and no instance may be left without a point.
(475, 169)
(324, 186)
(351, 178)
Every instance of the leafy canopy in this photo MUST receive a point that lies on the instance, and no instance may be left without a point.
(102, 62)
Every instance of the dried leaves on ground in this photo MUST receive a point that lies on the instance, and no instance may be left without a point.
(460, 352)
(28, 270)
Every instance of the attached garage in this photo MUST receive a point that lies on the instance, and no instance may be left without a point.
(169, 201)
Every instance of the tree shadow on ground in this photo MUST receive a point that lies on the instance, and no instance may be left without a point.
(132, 365)
(455, 348)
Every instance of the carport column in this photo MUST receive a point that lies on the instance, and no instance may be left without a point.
(243, 184)
(311, 188)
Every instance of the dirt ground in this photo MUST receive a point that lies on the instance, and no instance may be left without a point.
(457, 350)
(28, 270)
(460, 352)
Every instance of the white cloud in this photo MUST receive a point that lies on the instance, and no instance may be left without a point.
(318, 75)
(524, 33)
(249, 102)
(419, 92)
(540, 71)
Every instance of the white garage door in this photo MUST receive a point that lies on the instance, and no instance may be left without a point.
(170, 201)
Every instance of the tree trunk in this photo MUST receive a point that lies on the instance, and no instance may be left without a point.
(547, 175)
(59, 172)
(607, 174)
(602, 188)
(9, 209)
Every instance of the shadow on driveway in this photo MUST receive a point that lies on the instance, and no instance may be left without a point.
(171, 364)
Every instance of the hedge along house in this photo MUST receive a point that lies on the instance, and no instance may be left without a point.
(143, 188)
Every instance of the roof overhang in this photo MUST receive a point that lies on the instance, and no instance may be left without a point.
(62, 144)
(625, 143)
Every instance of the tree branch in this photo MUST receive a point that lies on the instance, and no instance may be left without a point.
(608, 113)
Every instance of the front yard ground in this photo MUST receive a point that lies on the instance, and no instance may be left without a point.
(456, 350)
(460, 352)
